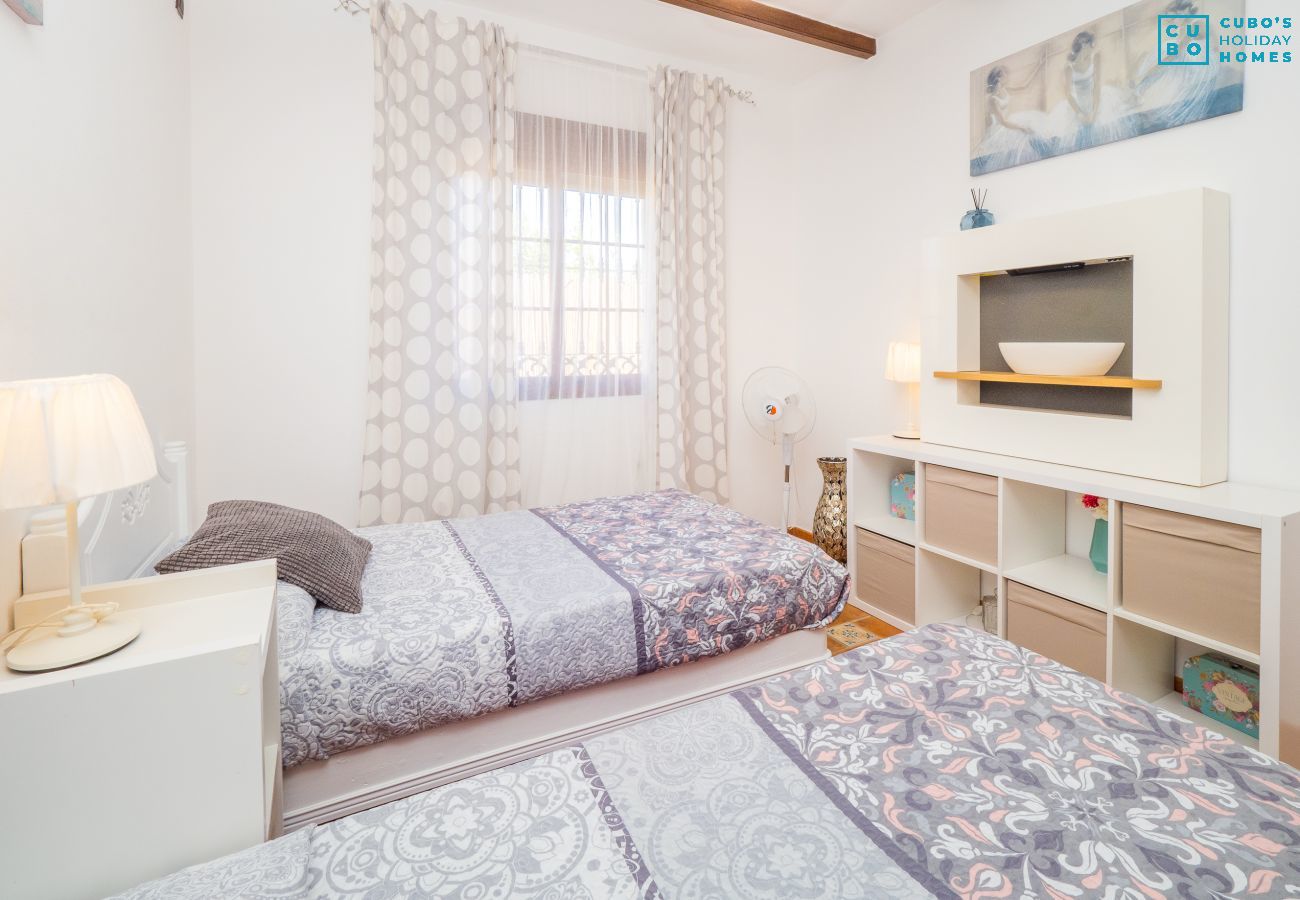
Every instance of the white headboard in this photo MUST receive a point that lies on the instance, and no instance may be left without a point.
(123, 533)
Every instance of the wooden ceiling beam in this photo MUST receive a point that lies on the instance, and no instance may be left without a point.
(786, 24)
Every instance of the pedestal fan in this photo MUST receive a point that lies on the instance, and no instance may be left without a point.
(780, 406)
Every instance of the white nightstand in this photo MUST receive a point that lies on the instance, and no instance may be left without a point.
(162, 755)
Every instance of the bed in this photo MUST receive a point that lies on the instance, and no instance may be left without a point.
(484, 641)
(473, 616)
(943, 762)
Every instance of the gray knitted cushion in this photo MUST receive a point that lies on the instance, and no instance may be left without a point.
(318, 555)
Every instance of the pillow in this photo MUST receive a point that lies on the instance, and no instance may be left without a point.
(319, 556)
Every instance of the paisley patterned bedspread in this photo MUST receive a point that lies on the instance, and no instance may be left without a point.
(469, 616)
(939, 763)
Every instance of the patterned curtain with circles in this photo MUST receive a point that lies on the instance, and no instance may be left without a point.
(689, 123)
(441, 423)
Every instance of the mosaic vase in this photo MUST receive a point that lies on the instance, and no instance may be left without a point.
(831, 518)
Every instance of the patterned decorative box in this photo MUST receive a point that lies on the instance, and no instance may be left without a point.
(1225, 690)
(902, 496)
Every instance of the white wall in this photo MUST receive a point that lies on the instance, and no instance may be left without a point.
(883, 151)
(282, 105)
(282, 99)
(834, 182)
(94, 209)
(766, 304)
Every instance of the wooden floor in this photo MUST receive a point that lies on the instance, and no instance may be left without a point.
(854, 628)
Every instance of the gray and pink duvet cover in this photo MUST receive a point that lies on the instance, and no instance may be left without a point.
(939, 763)
(469, 616)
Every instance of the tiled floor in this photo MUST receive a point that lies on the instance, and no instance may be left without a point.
(854, 628)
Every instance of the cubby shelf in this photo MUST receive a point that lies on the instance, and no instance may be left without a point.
(1071, 577)
(1174, 631)
(1173, 703)
(957, 557)
(970, 620)
(1044, 538)
(1101, 381)
(892, 527)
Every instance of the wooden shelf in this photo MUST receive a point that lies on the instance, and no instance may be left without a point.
(1101, 381)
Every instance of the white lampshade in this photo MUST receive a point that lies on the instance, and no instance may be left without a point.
(904, 362)
(62, 439)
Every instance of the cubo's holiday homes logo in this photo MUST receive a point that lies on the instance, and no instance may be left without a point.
(1184, 40)
(1265, 39)
(1193, 40)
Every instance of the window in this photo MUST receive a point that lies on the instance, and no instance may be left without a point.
(579, 259)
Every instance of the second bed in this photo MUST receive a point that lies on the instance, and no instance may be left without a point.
(939, 763)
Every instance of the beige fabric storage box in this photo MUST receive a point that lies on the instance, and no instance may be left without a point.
(1057, 628)
(886, 575)
(961, 513)
(1193, 573)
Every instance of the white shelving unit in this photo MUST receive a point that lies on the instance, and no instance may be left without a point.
(1044, 536)
(949, 585)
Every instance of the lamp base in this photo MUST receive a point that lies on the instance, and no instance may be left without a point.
(910, 434)
(55, 651)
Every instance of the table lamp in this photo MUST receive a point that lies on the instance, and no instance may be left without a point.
(62, 440)
(904, 366)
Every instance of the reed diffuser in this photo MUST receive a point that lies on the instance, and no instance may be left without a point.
(980, 215)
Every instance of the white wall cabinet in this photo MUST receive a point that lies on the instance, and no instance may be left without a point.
(159, 756)
(1043, 537)
(1179, 244)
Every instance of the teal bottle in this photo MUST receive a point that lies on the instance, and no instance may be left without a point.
(1100, 545)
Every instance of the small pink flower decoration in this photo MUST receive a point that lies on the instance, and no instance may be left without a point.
(1100, 506)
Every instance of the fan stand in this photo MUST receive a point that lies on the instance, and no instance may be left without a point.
(779, 403)
(787, 457)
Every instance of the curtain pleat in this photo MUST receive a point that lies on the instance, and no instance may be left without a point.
(441, 419)
(689, 124)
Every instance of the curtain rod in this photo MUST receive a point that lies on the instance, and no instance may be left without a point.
(355, 7)
(742, 96)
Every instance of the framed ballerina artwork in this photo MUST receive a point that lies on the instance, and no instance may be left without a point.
(1101, 82)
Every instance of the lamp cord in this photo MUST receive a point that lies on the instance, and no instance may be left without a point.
(99, 611)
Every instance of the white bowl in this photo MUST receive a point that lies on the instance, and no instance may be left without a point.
(1067, 358)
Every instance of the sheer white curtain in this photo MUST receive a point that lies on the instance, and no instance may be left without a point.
(583, 279)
